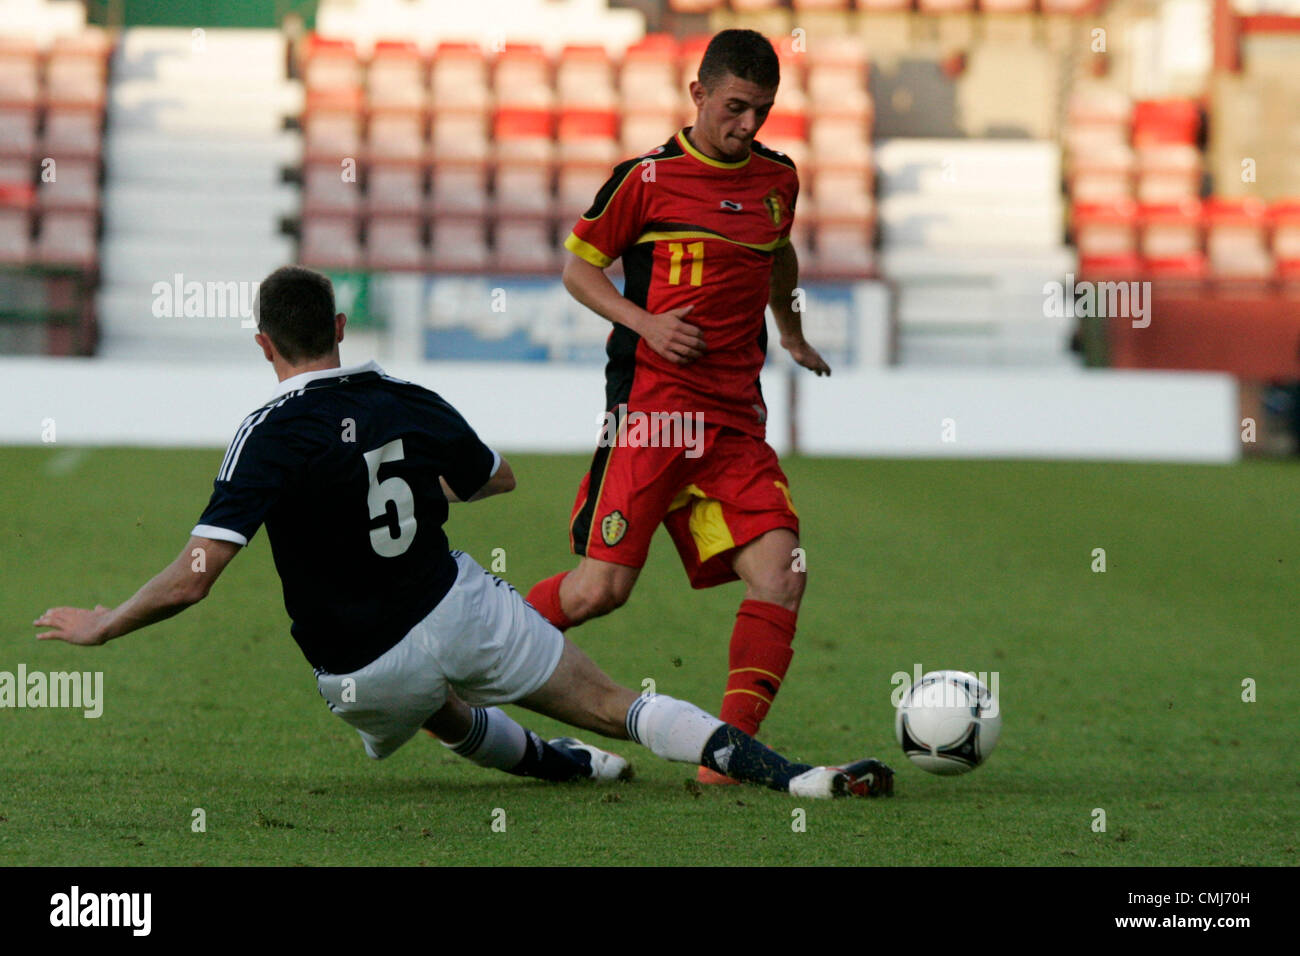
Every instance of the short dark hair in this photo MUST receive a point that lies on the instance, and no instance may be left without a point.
(745, 54)
(294, 307)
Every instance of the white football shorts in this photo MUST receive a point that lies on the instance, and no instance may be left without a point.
(482, 639)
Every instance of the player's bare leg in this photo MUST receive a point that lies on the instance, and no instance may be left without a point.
(488, 737)
(580, 693)
(592, 589)
(760, 649)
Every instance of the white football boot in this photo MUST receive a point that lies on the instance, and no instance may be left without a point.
(604, 765)
(863, 778)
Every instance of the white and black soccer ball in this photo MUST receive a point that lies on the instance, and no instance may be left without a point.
(948, 722)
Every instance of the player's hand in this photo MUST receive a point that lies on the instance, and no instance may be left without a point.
(806, 355)
(75, 625)
(668, 336)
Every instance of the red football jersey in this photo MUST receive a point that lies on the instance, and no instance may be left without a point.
(693, 231)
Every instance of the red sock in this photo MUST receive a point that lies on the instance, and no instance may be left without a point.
(760, 654)
(545, 597)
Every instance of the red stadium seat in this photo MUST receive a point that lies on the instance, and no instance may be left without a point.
(1160, 122)
(945, 6)
(844, 249)
(330, 242)
(588, 135)
(750, 6)
(396, 76)
(524, 245)
(1125, 267)
(840, 141)
(395, 242)
(1236, 238)
(1190, 267)
(459, 245)
(644, 130)
(1106, 229)
(694, 6)
(329, 65)
(804, 6)
(838, 196)
(884, 6)
(523, 134)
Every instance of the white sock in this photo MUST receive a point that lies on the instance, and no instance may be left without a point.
(494, 740)
(672, 729)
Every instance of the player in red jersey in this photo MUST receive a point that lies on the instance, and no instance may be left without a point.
(702, 224)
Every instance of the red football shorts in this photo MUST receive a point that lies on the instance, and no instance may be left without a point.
(712, 504)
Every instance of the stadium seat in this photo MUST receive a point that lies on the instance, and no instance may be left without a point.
(1170, 231)
(1285, 219)
(19, 122)
(19, 71)
(77, 69)
(1114, 268)
(459, 188)
(1105, 229)
(74, 185)
(587, 135)
(838, 194)
(1101, 174)
(330, 65)
(523, 135)
(844, 248)
(16, 202)
(395, 242)
(689, 53)
(1160, 122)
(330, 242)
(395, 78)
(841, 141)
(804, 6)
(786, 133)
(332, 125)
(73, 130)
(584, 77)
(522, 78)
(1168, 172)
(649, 68)
(459, 245)
(393, 187)
(576, 188)
(1236, 238)
(694, 6)
(1190, 267)
(644, 130)
(458, 78)
(461, 135)
(524, 245)
(522, 189)
(68, 237)
(396, 134)
(327, 188)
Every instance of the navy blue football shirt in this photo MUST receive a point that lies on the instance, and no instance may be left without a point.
(342, 467)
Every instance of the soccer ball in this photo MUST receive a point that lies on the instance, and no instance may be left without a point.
(948, 722)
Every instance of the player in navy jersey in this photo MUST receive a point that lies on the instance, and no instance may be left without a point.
(351, 471)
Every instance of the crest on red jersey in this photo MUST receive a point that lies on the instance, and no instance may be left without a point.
(612, 528)
(774, 209)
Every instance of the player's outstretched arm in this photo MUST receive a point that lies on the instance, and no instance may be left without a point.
(784, 281)
(185, 581)
(666, 333)
(502, 480)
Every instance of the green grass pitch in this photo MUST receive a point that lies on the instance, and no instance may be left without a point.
(1121, 691)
